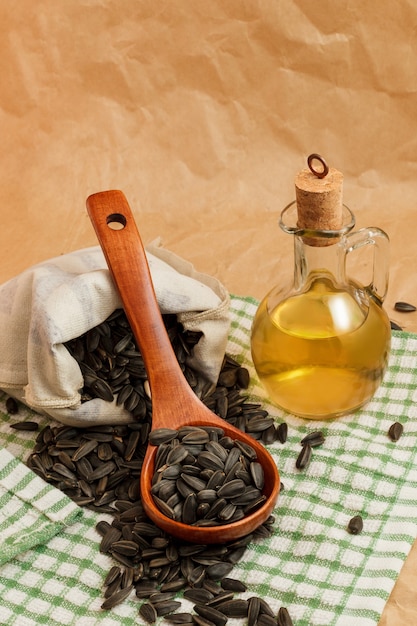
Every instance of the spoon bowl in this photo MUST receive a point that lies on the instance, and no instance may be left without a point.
(174, 404)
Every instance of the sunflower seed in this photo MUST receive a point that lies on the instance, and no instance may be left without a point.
(196, 436)
(189, 510)
(177, 454)
(228, 513)
(113, 573)
(179, 618)
(212, 586)
(355, 525)
(394, 325)
(128, 577)
(228, 377)
(247, 496)
(196, 576)
(243, 378)
(257, 473)
(304, 457)
(166, 607)
(114, 586)
(231, 489)
(112, 535)
(314, 439)
(63, 470)
(219, 570)
(232, 584)
(222, 406)
(104, 452)
(269, 435)
(222, 596)
(11, 406)
(217, 449)
(254, 607)
(174, 585)
(233, 457)
(65, 459)
(164, 507)
(148, 612)
(282, 432)
(116, 598)
(395, 431)
(28, 425)
(145, 588)
(210, 613)
(201, 621)
(215, 480)
(283, 618)
(102, 470)
(122, 344)
(234, 608)
(266, 620)
(404, 307)
(210, 461)
(102, 527)
(265, 609)
(125, 547)
(85, 449)
(259, 424)
(194, 482)
(131, 446)
(102, 389)
(207, 495)
(124, 394)
(247, 449)
(198, 595)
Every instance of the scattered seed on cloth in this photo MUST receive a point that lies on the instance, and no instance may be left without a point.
(355, 525)
(395, 431)
(395, 326)
(314, 439)
(30, 426)
(11, 406)
(304, 457)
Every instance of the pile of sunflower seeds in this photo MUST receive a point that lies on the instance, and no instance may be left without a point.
(154, 567)
(113, 368)
(99, 467)
(94, 466)
(151, 564)
(204, 478)
(112, 365)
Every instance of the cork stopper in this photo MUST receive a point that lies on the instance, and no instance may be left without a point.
(319, 196)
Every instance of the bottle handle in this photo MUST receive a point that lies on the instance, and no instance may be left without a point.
(376, 237)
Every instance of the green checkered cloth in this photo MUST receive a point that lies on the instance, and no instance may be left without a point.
(31, 511)
(312, 565)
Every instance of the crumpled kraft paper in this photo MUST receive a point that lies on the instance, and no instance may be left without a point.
(202, 113)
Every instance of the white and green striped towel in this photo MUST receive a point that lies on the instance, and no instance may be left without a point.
(31, 511)
(312, 565)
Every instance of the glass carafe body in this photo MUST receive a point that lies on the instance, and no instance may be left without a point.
(321, 347)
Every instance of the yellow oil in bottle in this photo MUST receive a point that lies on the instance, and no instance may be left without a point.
(321, 353)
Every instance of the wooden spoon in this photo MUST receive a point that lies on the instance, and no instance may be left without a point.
(174, 404)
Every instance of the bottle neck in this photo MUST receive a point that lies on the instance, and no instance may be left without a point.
(316, 259)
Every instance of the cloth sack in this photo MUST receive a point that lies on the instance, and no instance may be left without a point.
(60, 299)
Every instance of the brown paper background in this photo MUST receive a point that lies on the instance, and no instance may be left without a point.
(202, 113)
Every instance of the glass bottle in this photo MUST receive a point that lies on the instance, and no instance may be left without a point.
(321, 347)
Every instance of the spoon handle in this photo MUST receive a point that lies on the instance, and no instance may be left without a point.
(122, 246)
